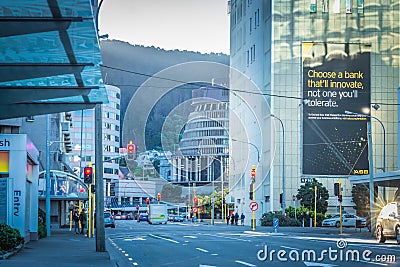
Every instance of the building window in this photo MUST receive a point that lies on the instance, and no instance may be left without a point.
(325, 6)
(251, 25)
(313, 6)
(108, 170)
(117, 96)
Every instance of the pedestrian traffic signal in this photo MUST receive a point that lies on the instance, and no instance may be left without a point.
(340, 198)
(281, 198)
(336, 189)
(93, 188)
(88, 175)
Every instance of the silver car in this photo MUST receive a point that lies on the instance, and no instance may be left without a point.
(388, 223)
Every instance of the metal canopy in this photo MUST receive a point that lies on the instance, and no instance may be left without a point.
(49, 58)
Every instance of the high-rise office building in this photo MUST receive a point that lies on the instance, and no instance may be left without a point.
(273, 45)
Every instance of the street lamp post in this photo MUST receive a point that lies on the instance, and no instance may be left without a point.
(258, 151)
(371, 165)
(283, 161)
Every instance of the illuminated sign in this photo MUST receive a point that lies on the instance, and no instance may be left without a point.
(336, 78)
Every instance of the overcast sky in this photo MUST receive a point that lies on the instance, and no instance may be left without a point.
(193, 25)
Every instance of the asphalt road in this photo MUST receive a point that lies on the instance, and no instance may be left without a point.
(202, 245)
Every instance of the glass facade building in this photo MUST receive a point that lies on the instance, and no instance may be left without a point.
(266, 48)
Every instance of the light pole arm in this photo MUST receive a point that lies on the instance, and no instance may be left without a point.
(258, 151)
(283, 160)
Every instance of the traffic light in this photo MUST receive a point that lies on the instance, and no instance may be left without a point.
(253, 172)
(131, 150)
(336, 189)
(88, 175)
(196, 201)
(281, 198)
(340, 198)
(93, 188)
(147, 201)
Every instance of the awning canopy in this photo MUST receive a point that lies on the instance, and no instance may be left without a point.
(389, 179)
(49, 58)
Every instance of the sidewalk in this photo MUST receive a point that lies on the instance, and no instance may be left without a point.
(63, 248)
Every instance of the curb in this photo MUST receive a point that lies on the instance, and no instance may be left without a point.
(12, 253)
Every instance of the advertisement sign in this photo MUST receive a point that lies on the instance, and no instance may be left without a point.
(4, 162)
(336, 78)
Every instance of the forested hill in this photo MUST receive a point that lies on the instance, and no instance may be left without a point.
(128, 66)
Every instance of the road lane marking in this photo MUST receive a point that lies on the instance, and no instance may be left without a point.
(135, 239)
(228, 237)
(126, 254)
(190, 236)
(377, 263)
(130, 259)
(246, 263)
(202, 265)
(214, 254)
(203, 250)
(163, 238)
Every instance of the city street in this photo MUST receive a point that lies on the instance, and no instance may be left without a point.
(186, 244)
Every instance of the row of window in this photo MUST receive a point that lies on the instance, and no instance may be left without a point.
(206, 124)
(109, 137)
(336, 6)
(254, 22)
(111, 115)
(205, 133)
(110, 148)
(111, 126)
(215, 106)
(251, 55)
(112, 93)
(110, 171)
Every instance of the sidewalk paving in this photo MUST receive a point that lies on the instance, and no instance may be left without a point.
(63, 248)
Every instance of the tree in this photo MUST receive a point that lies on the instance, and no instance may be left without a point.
(360, 194)
(306, 196)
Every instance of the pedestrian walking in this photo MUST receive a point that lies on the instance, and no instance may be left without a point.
(227, 219)
(232, 219)
(242, 218)
(75, 218)
(82, 219)
(236, 218)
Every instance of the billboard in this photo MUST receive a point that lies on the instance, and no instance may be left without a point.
(336, 78)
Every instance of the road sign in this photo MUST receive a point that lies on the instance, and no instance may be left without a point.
(276, 223)
(253, 206)
(306, 180)
(195, 209)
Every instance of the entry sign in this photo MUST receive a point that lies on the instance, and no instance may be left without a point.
(253, 206)
(306, 180)
(194, 209)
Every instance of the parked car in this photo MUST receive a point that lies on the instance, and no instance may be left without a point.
(117, 216)
(143, 217)
(177, 218)
(388, 223)
(348, 220)
(109, 220)
(333, 221)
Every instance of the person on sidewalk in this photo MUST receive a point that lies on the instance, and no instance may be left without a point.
(227, 219)
(82, 219)
(75, 218)
(236, 218)
(232, 218)
(242, 218)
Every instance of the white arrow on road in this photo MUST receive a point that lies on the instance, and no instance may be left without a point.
(318, 264)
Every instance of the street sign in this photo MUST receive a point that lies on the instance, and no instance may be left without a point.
(306, 180)
(253, 206)
(276, 223)
(195, 209)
